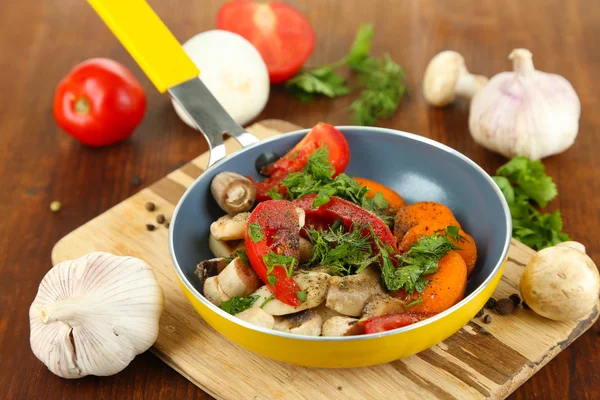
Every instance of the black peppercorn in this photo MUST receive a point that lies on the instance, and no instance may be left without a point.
(491, 303)
(150, 227)
(150, 206)
(505, 306)
(525, 306)
(480, 313)
(487, 319)
(167, 225)
(160, 218)
(515, 299)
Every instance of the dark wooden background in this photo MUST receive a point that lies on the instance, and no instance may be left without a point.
(41, 40)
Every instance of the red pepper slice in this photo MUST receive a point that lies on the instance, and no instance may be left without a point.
(279, 233)
(349, 213)
(388, 322)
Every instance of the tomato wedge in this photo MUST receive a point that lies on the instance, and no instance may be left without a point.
(349, 213)
(388, 322)
(282, 35)
(273, 230)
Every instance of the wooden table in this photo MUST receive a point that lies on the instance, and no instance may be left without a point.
(41, 40)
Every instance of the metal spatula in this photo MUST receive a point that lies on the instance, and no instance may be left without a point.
(164, 61)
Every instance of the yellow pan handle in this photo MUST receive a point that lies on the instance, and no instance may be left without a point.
(148, 40)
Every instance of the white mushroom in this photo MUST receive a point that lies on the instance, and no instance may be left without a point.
(381, 304)
(307, 323)
(561, 282)
(230, 228)
(257, 316)
(208, 268)
(349, 294)
(213, 292)
(325, 312)
(221, 248)
(93, 315)
(337, 326)
(446, 77)
(233, 192)
(315, 284)
(306, 249)
(238, 279)
(301, 216)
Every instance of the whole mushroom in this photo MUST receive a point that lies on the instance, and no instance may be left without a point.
(561, 282)
(447, 77)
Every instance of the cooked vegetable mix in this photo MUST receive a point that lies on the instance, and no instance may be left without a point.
(323, 253)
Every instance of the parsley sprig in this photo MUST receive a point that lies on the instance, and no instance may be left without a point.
(381, 80)
(273, 260)
(526, 185)
(238, 304)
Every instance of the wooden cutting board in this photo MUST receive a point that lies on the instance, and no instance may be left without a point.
(480, 361)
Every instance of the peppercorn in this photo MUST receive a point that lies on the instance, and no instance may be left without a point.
(150, 227)
(505, 306)
(136, 181)
(160, 218)
(525, 306)
(515, 299)
(480, 313)
(150, 206)
(491, 303)
(167, 225)
(482, 330)
(487, 319)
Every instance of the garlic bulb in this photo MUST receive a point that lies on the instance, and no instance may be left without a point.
(525, 112)
(93, 315)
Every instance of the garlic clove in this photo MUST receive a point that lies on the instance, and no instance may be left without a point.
(93, 315)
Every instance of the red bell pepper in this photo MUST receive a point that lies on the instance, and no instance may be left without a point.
(388, 322)
(273, 228)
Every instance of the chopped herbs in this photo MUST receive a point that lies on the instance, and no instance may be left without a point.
(420, 260)
(243, 256)
(317, 178)
(268, 299)
(415, 302)
(345, 253)
(301, 295)
(255, 232)
(525, 184)
(273, 260)
(381, 80)
(272, 279)
(238, 304)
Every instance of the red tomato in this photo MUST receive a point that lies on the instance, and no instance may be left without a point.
(278, 224)
(283, 37)
(388, 322)
(99, 103)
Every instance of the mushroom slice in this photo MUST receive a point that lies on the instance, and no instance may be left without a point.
(338, 326)
(306, 249)
(230, 228)
(222, 248)
(315, 284)
(301, 216)
(238, 279)
(307, 323)
(325, 312)
(349, 294)
(213, 292)
(257, 317)
(208, 268)
(233, 192)
(381, 304)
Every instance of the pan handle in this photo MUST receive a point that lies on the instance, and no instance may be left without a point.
(163, 60)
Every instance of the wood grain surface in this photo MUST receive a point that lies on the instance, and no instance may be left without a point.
(41, 40)
(481, 361)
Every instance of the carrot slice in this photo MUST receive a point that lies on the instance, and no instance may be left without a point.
(414, 214)
(446, 287)
(468, 249)
(396, 201)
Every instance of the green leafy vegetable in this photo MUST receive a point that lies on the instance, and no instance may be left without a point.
(238, 304)
(272, 279)
(273, 260)
(255, 232)
(525, 184)
(415, 302)
(381, 79)
(268, 299)
(243, 256)
(301, 295)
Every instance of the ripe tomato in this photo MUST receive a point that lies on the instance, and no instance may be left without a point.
(388, 322)
(283, 37)
(99, 103)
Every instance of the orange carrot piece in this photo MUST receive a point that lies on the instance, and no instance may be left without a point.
(446, 287)
(468, 249)
(396, 201)
(414, 214)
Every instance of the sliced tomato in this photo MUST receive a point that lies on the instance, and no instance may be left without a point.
(388, 322)
(279, 232)
(281, 34)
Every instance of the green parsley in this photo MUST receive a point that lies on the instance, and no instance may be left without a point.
(243, 256)
(268, 299)
(238, 304)
(301, 295)
(272, 279)
(255, 232)
(415, 302)
(526, 185)
(273, 260)
(381, 80)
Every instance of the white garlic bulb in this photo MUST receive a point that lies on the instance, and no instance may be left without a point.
(526, 112)
(93, 315)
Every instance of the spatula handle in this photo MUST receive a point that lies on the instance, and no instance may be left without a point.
(148, 40)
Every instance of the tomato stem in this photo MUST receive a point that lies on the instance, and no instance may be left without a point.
(82, 106)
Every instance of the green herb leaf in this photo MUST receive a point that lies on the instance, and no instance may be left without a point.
(243, 256)
(255, 232)
(238, 304)
(324, 81)
(268, 299)
(415, 302)
(273, 194)
(530, 179)
(272, 279)
(301, 295)
(361, 46)
(273, 260)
